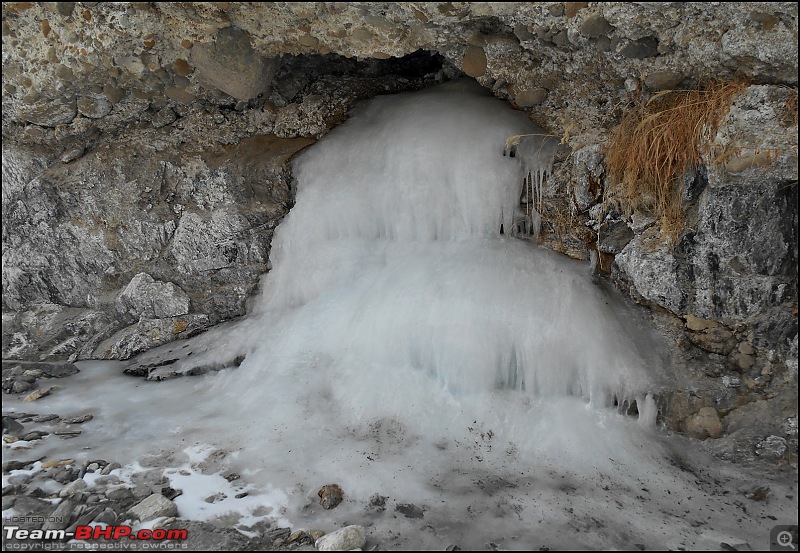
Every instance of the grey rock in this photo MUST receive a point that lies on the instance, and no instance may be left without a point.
(110, 468)
(344, 539)
(231, 64)
(120, 494)
(613, 236)
(93, 107)
(163, 117)
(72, 154)
(72, 488)
(49, 113)
(21, 386)
(79, 420)
(147, 334)
(65, 8)
(107, 516)
(152, 507)
(774, 447)
(33, 435)
(25, 505)
(639, 49)
(11, 426)
(664, 80)
(531, 97)
(595, 26)
(146, 297)
(19, 479)
(62, 516)
(648, 268)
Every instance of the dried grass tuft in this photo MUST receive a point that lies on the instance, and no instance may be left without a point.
(660, 140)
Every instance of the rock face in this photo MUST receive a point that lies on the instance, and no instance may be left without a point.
(146, 149)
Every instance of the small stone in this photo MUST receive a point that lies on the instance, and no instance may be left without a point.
(643, 48)
(93, 108)
(232, 65)
(330, 496)
(119, 495)
(746, 348)
(79, 420)
(153, 507)
(378, 502)
(301, 537)
(109, 468)
(114, 94)
(595, 26)
(180, 95)
(57, 463)
(613, 236)
(345, 539)
(561, 39)
(731, 381)
(316, 534)
(19, 479)
(36, 394)
(8, 466)
(742, 361)
(531, 97)
(474, 61)
(409, 510)
(663, 80)
(72, 488)
(62, 516)
(65, 8)
(72, 154)
(34, 435)
(757, 493)
(772, 446)
(21, 386)
(163, 117)
(106, 517)
(11, 426)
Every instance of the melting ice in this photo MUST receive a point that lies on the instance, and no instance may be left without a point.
(403, 346)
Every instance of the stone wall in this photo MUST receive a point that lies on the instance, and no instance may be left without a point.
(145, 150)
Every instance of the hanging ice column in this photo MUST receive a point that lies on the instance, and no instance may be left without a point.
(535, 153)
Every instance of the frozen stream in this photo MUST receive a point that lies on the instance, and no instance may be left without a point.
(403, 346)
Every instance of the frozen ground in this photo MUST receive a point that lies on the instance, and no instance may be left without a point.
(403, 347)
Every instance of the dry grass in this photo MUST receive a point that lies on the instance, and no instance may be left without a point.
(659, 141)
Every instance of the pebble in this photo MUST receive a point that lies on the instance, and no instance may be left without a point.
(409, 510)
(330, 496)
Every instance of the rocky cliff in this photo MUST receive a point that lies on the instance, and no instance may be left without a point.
(145, 150)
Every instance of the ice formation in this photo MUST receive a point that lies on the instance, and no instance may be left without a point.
(403, 346)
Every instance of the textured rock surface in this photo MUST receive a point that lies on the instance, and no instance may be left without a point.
(153, 139)
(344, 539)
(153, 506)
